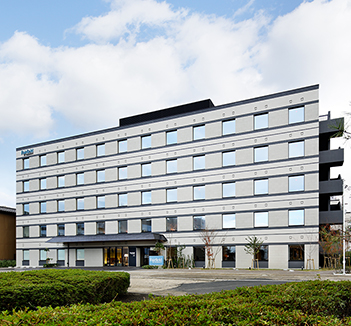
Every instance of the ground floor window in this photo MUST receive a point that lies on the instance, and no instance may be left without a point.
(116, 256)
(296, 256)
(199, 256)
(25, 261)
(80, 257)
(228, 256)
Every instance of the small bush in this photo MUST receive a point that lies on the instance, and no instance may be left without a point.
(150, 267)
(7, 263)
(290, 304)
(59, 287)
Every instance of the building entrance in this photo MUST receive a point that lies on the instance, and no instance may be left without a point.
(116, 256)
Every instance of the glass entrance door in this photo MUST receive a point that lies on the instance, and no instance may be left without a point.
(116, 256)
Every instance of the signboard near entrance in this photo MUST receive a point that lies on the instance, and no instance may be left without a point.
(156, 260)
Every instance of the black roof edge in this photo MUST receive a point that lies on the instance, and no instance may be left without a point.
(168, 112)
(255, 99)
(4, 209)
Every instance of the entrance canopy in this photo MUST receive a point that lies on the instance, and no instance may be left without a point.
(110, 237)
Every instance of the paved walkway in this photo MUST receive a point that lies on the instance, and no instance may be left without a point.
(174, 281)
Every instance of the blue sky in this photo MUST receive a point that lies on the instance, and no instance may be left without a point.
(68, 67)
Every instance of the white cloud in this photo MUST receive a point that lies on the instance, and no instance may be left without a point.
(145, 55)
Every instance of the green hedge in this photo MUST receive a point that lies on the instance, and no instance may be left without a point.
(305, 303)
(59, 287)
(7, 263)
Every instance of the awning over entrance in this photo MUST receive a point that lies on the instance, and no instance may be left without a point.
(110, 237)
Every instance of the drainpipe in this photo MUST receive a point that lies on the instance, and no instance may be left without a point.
(68, 255)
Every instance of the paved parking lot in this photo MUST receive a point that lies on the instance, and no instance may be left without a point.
(189, 281)
(179, 282)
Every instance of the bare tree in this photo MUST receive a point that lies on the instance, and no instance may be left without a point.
(209, 237)
(253, 247)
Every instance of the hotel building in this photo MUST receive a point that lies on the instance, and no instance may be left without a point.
(257, 167)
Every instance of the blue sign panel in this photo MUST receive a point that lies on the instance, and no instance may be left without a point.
(156, 260)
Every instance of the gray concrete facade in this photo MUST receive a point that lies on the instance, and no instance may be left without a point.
(139, 192)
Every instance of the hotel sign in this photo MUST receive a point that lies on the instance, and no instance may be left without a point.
(27, 152)
(156, 260)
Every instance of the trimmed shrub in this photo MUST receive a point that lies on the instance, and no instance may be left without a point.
(59, 287)
(7, 263)
(243, 306)
(149, 267)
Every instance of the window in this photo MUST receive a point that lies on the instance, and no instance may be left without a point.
(228, 221)
(146, 197)
(261, 187)
(80, 254)
(146, 142)
(80, 228)
(261, 154)
(100, 227)
(296, 252)
(100, 201)
(262, 255)
(80, 178)
(199, 192)
(42, 160)
(199, 253)
(43, 207)
(42, 231)
(146, 170)
(261, 219)
(26, 232)
(199, 132)
(43, 184)
(228, 189)
(171, 166)
(25, 186)
(80, 153)
(297, 183)
(61, 205)
(296, 115)
(199, 162)
(122, 226)
(61, 157)
(146, 225)
(25, 254)
(61, 180)
(296, 149)
(26, 163)
(43, 254)
(25, 209)
(171, 224)
(199, 222)
(228, 158)
(171, 195)
(228, 253)
(100, 176)
(100, 150)
(61, 254)
(122, 146)
(228, 127)
(122, 200)
(80, 204)
(261, 121)
(171, 137)
(122, 173)
(60, 230)
(297, 217)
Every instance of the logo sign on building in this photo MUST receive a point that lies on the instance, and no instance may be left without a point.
(27, 152)
(156, 260)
